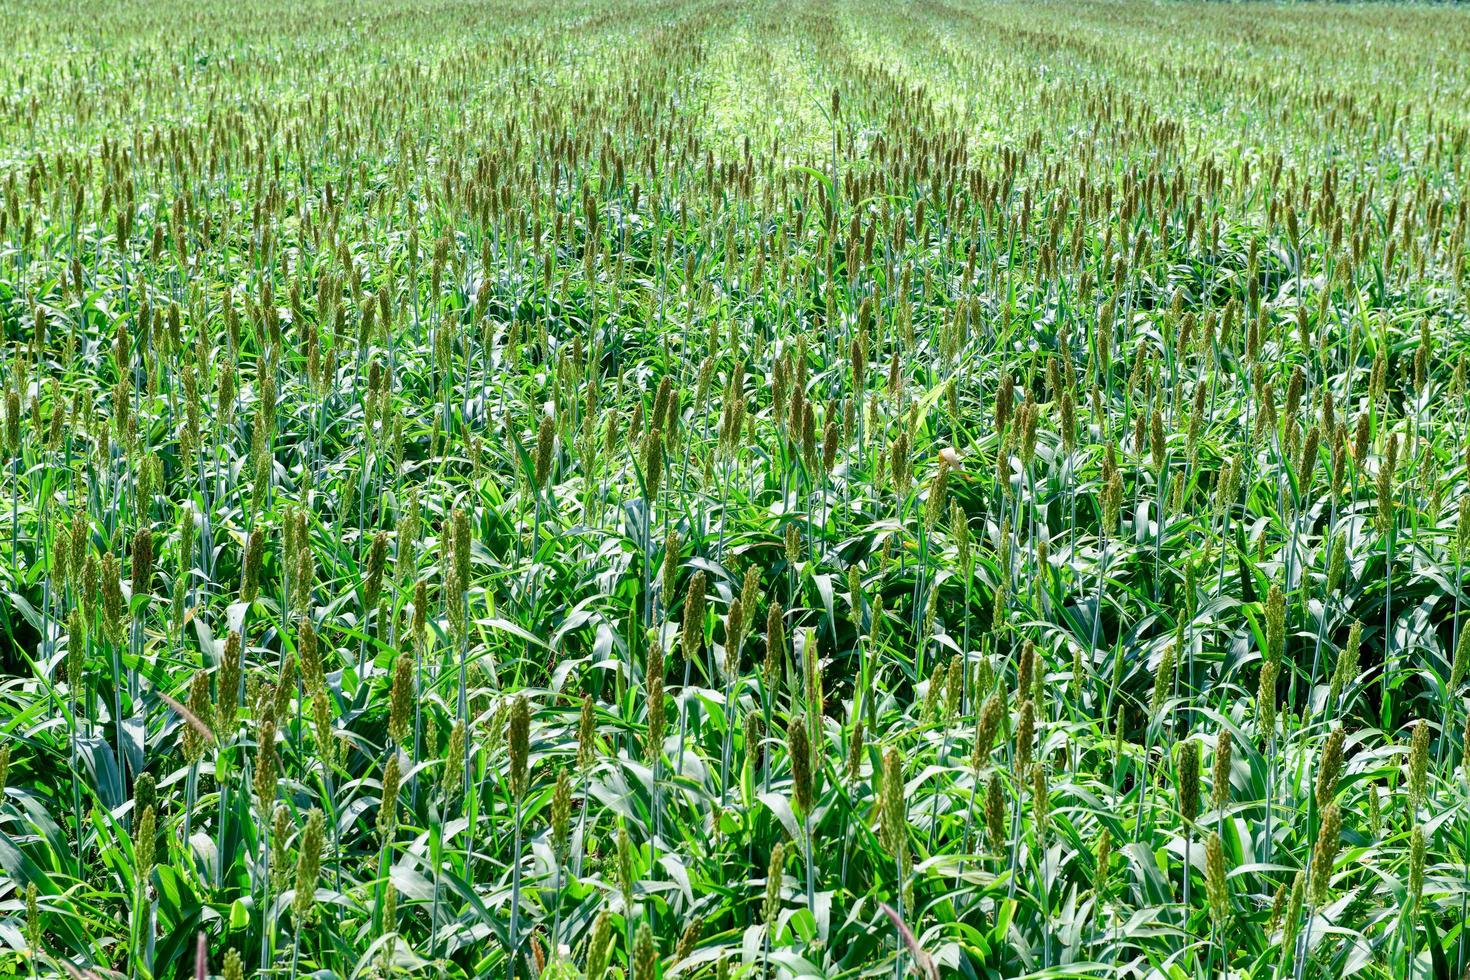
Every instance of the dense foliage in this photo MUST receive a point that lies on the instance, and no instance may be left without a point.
(714, 489)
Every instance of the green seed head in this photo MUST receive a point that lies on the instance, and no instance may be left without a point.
(653, 461)
(1216, 887)
(308, 652)
(894, 810)
(773, 885)
(688, 939)
(114, 615)
(599, 946)
(34, 931)
(545, 447)
(953, 688)
(419, 625)
(1025, 735)
(518, 744)
(12, 422)
(1278, 908)
(938, 493)
(670, 572)
(388, 913)
(657, 717)
(1275, 623)
(857, 748)
(326, 737)
(1040, 801)
(1346, 668)
(985, 730)
(145, 792)
(303, 576)
(1461, 663)
(145, 836)
(400, 698)
(460, 534)
(561, 815)
(226, 705)
(1103, 855)
(775, 644)
(1419, 764)
(308, 867)
(76, 650)
(1328, 768)
(1025, 671)
(801, 764)
(586, 735)
(1416, 868)
(1384, 515)
(691, 638)
(254, 558)
(1188, 768)
(201, 707)
(1324, 854)
(265, 764)
(142, 561)
(1266, 698)
(995, 811)
(750, 594)
(1293, 913)
(377, 561)
(1220, 771)
(1465, 749)
(1163, 680)
(625, 869)
(388, 806)
(1112, 504)
(812, 657)
(452, 778)
(734, 625)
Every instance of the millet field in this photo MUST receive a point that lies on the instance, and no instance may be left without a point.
(610, 489)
